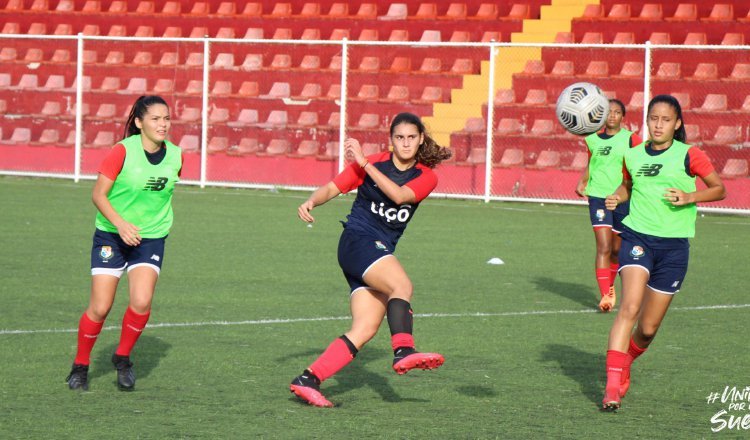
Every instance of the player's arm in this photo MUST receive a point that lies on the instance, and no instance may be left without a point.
(398, 194)
(622, 193)
(317, 198)
(698, 165)
(583, 182)
(128, 232)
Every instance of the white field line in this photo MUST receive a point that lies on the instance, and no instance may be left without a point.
(346, 318)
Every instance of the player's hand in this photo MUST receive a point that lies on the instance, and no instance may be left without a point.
(677, 197)
(129, 233)
(304, 211)
(611, 202)
(581, 189)
(353, 151)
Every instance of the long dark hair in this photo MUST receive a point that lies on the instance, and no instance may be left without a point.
(139, 111)
(670, 100)
(429, 153)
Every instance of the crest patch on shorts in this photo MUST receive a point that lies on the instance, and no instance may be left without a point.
(106, 253)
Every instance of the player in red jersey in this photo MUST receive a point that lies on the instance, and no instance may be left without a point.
(659, 179)
(390, 187)
(602, 176)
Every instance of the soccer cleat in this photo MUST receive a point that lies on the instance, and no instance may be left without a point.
(611, 401)
(624, 382)
(78, 379)
(307, 387)
(607, 303)
(409, 359)
(125, 375)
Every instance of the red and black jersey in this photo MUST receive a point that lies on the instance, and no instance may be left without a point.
(373, 212)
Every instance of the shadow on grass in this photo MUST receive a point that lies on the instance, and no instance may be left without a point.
(146, 355)
(476, 391)
(580, 293)
(585, 368)
(355, 376)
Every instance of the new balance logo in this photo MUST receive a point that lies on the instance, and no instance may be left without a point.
(649, 170)
(155, 257)
(604, 151)
(156, 184)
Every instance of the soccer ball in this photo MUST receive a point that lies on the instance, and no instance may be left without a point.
(582, 108)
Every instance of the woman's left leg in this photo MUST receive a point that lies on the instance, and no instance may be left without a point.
(142, 281)
(388, 276)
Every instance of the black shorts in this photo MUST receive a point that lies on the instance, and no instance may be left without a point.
(666, 267)
(601, 217)
(357, 253)
(111, 256)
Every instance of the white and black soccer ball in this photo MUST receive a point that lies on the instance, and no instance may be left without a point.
(582, 108)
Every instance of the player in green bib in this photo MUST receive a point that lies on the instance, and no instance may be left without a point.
(600, 178)
(659, 181)
(133, 196)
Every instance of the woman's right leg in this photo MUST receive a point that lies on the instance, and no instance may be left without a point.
(368, 310)
(103, 288)
(602, 267)
(634, 279)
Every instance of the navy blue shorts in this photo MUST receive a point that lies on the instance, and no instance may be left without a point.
(603, 217)
(666, 267)
(111, 256)
(357, 253)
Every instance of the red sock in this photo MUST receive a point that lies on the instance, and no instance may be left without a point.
(402, 340)
(336, 357)
(88, 331)
(132, 327)
(613, 272)
(602, 278)
(633, 352)
(616, 361)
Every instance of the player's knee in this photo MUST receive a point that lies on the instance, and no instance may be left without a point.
(140, 307)
(604, 249)
(98, 312)
(402, 290)
(647, 332)
(630, 311)
(362, 334)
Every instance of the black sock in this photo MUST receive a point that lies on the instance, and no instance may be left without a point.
(350, 345)
(400, 318)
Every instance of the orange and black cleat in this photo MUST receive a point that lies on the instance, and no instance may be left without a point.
(607, 303)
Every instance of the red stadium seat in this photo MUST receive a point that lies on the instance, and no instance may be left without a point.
(693, 133)
(651, 12)
(368, 120)
(8, 54)
(310, 91)
(310, 34)
(636, 101)
(338, 10)
(145, 7)
(37, 29)
(252, 62)
(542, 128)
(683, 99)
(518, 11)
(276, 119)
(277, 146)
(368, 92)
(462, 66)
(486, 11)
(509, 126)
(199, 32)
(90, 30)
(190, 143)
(369, 64)
(624, 38)
(281, 10)
(307, 119)
(431, 94)
(14, 5)
(668, 71)
(50, 109)
(225, 32)
(593, 12)
(222, 88)
(734, 168)
(720, 12)
(142, 58)
(563, 68)
(248, 89)
(477, 155)
(246, 117)
(246, 146)
(397, 93)
(226, 9)
(564, 38)
(103, 139)
(733, 39)
(335, 63)
(396, 11)
(190, 114)
(536, 97)
(504, 96)
(367, 11)
(339, 34)
(253, 34)
(106, 111)
(308, 147)
(592, 38)
(426, 11)
(580, 161)
(92, 7)
(20, 136)
(725, 135)
(278, 90)
(597, 68)
(115, 58)
(200, 9)
(534, 67)
(400, 64)
(334, 92)
(60, 56)
(49, 136)
(619, 11)
(695, 38)
(399, 35)
(456, 11)
(217, 144)
(547, 159)
(490, 36)
(54, 82)
(169, 59)
(39, 6)
(63, 29)
(136, 86)
(117, 31)
(28, 81)
(171, 8)
(631, 69)
(164, 86)
(430, 65)
(714, 102)
(685, 12)
(740, 72)
(705, 71)
(281, 61)
(144, 31)
(460, 37)
(310, 62)
(218, 115)
(252, 9)
(368, 35)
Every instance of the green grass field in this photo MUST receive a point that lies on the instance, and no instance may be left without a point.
(249, 296)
